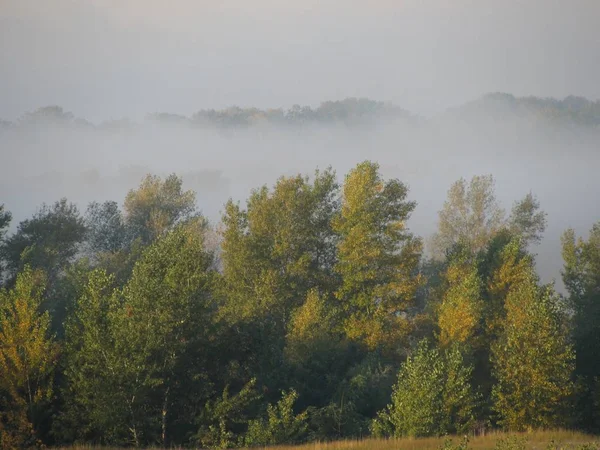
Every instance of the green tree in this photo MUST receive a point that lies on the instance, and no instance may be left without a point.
(5, 218)
(433, 396)
(281, 246)
(377, 258)
(28, 357)
(156, 205)
(94, 400)
(281, 426)
(48, 241)
(527, 220)
(224, 419)
(532, 360)
(162, 331)
(276, 250)
(581, 275)
(106, 229)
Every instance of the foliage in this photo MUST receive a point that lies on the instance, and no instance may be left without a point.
(322, 320)
(49, 240)
(157, 205)
(533, 360)
(433, 396)
(471, 216)
(223, 418)
(527, 220)
(581, 276)
(377, 258)
(511, 442)
(281, 426)
(461, 310)
(28, 357)
(106, 227)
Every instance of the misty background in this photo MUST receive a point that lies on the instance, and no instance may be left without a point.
(109, 60)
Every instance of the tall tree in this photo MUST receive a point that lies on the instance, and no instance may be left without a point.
(49, 240)
(532, 360)
(581, 275)
(276, 250)
(5, 218)
(471, 216)
(282, 245)
(106, 229)
(27, 360)
(460, 314)
(528, 220)
(377, 257)
(156, 205)
(94, 408)
(162, 332)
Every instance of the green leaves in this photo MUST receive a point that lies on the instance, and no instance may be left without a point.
(280, 426)
(433, 396)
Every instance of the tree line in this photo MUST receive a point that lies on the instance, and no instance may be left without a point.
(350, 111)
(310, 312)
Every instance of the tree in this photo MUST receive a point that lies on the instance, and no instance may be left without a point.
(377, 257)
(140, 354)
(162, 332)
(5, 218)
(27, 360)
(48, 241)
(94, 408)
(106, 229)
(581, 275)
(281, 426)
(460, 313)
(224, 419)
(276, 250)
(433, 396)
(471, 216)
(282, 245)
(532, 360)
(157, 205)
(316, 350)
(528, 220)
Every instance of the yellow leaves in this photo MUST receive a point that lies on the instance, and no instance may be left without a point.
(461, 310)
(27, 352)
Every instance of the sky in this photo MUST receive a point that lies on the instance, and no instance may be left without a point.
(108, 59)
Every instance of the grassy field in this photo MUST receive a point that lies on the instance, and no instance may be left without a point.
(556, 439)
(538, 440)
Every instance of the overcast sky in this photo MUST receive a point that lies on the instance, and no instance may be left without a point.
(106, 59)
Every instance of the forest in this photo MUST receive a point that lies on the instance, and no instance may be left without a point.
(310, 312)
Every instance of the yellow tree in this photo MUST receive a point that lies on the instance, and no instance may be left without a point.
(377, 257)
(532, 360)
(27, 358)
(157, 205)
(461, 310)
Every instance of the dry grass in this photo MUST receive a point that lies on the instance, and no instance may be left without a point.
(536, 440)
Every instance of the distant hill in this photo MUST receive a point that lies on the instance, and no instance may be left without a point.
(571, 109)
(349, 112)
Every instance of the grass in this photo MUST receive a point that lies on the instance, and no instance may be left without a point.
(536, 440)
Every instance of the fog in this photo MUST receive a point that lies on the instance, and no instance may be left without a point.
(111, 59)
(557, 162)
(106, 59)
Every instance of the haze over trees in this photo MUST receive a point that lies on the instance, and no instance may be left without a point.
(317, 314)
